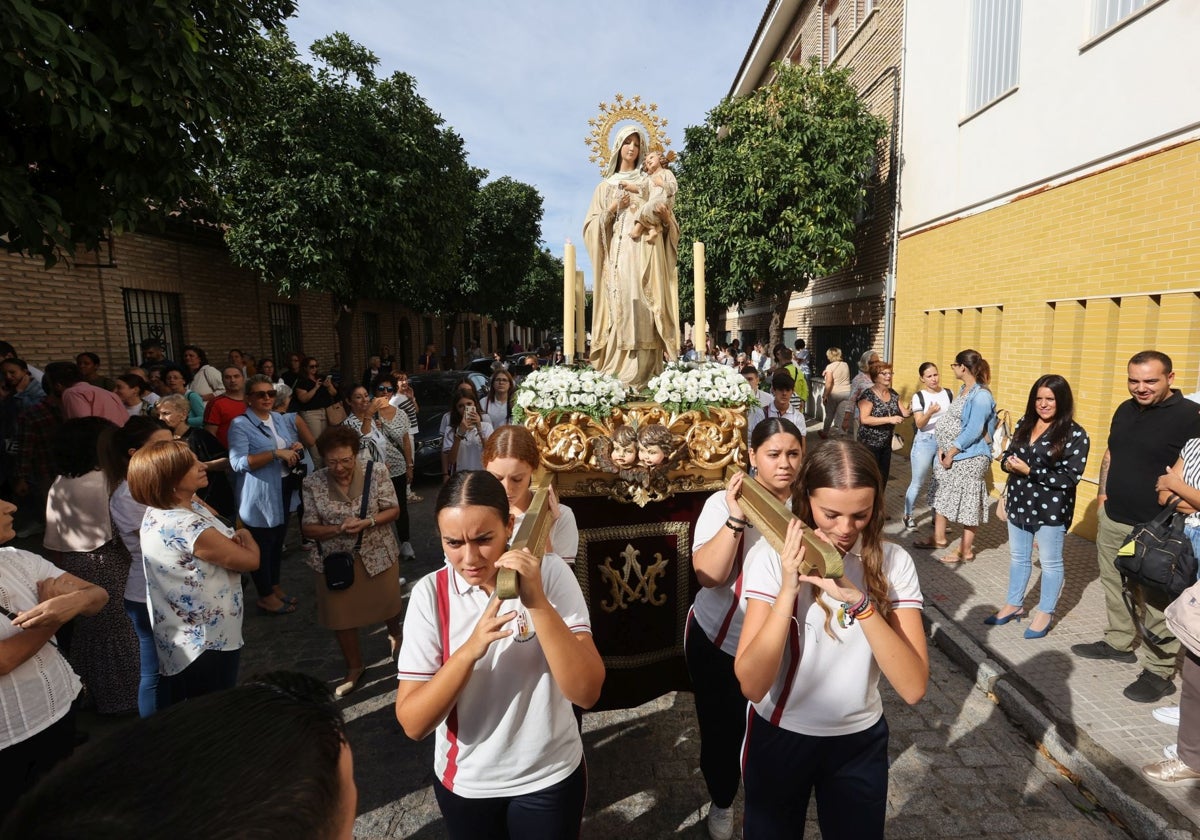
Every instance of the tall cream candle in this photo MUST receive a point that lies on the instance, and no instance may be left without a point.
(580, 326)
(568, 298)
(700, 324)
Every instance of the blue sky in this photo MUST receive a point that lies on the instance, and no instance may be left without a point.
(520, 79)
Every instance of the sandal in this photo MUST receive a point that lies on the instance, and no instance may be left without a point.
(282, 609)
(954, 558)
(929, 543)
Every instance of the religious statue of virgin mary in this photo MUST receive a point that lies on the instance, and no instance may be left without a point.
(635, 299)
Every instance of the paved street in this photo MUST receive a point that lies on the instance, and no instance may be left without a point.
(960, 767)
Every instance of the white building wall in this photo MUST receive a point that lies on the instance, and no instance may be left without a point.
(1078, 101)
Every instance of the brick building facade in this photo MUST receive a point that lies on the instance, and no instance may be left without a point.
(182, 286)
(851, 308)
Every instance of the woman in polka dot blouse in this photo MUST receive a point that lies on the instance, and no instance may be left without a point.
(1044, 463)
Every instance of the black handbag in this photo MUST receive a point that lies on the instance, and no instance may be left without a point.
(1158, 556)
(339, 565)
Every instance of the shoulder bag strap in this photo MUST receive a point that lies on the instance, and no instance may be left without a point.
(362, 508)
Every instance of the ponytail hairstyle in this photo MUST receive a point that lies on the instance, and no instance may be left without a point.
(972, 361)
(1064, 415)
(847, 465)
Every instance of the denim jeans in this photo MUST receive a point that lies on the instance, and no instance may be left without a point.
(1050, 552)
(139, 615)
(922, 456)
(1192, 532)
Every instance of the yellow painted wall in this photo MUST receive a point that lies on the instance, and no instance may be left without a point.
(1119, 254)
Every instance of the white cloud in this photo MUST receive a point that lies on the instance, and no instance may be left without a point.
(519, 80)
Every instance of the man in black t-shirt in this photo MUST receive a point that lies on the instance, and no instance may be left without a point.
(1145, 438)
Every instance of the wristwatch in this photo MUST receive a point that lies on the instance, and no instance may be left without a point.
(373, 522)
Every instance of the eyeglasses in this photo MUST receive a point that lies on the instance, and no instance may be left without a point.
(271, 394)
(312, 367)
(385, 389)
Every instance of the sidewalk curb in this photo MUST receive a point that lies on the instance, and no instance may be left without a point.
(1145, 813)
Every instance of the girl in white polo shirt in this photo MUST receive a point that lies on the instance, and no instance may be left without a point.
(721, 540)
(812, 650)
(497, 679)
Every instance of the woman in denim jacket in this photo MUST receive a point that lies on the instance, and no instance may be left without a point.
(264, 448)
(964, 452)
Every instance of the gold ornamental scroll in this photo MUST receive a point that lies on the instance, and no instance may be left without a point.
(532, 535)
(771, 518)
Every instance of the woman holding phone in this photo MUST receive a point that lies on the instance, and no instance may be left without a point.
(467, 430)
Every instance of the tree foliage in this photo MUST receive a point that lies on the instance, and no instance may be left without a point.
(500, 243)
(110, 112)
(537, 300)
(347, 183)
(771, 183)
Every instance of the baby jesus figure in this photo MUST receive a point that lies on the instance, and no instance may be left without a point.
(663, 187)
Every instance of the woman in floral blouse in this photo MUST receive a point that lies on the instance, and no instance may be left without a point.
(193, 566)
(332, 502)
(1045, 462)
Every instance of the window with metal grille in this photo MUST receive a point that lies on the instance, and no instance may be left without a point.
(152, 315)
(371, 333)
(995, 49)
(285, 332)
(1108, 13)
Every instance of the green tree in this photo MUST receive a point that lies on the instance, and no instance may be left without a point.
(771, 183)
(537, 299)
(499, 248)
(348, 184)
(110, 112)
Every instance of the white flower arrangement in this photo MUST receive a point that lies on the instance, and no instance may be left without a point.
(557, 389)
(691, 386)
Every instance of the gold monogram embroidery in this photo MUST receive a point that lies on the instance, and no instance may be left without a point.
(645, 589)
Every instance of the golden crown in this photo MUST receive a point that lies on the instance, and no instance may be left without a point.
(620, 110)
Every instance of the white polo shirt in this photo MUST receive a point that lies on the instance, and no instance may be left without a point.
(511, 731)
(795, 415)
(827, 686)
(719, 610)
(564, 533)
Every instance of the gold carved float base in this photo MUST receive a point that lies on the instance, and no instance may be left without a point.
(642, 452)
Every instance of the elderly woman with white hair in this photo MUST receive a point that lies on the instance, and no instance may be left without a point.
(636, 298)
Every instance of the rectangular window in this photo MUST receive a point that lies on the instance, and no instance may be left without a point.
(152, 315)
(995, 48)
(371, 332)
(285, 332)
(830, 11)
(1108, 13)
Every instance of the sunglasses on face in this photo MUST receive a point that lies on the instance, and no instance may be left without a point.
(270, 394)
(384, 389)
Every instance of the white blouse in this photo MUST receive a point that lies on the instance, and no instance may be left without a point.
(38, 692)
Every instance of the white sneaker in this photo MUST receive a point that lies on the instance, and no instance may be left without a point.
(1171, 751)
(1167, 714)
(720, 823)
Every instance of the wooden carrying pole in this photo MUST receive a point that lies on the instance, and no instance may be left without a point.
(768, 515)
(533, 534)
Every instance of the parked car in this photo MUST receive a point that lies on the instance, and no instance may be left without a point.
(434, 391)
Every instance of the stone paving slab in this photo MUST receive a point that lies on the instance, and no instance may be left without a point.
(1095, 730)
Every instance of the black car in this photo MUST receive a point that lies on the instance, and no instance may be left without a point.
(434, 391)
